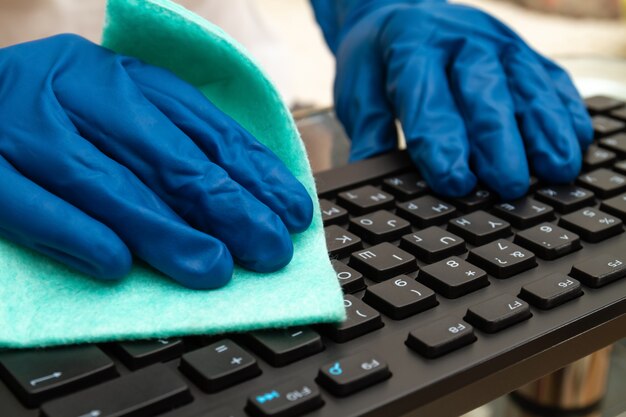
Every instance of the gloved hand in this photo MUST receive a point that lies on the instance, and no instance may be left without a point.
(102, 156)
(473, 99)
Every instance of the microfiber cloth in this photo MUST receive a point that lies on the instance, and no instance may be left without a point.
(43, 303)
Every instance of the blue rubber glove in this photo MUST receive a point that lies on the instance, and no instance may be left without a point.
(102, 156)
(474, 101)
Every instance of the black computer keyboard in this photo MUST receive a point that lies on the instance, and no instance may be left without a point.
(450, 302)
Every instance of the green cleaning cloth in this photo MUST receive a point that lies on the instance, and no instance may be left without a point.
(43, 303)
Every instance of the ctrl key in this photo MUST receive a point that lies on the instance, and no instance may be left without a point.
(353, 373)
(440, 337)
(294, 398)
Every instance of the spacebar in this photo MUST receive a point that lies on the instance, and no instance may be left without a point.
(143, 393)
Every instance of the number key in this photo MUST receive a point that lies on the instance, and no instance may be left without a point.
(502, 258)
(548, 241)
(591, 224)
(361, 319)
(453, 277)
(400, 297)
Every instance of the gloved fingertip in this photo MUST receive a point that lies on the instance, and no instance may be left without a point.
(273, 249)
(559, 170)
(213, 269)
(584, 130)
(457, 183)
(300, 211)
(514, 189)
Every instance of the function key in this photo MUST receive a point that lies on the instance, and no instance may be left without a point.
(566, 198)
(284, 346)
(332, 213)
(425, 211)
(453, 277)
(551, 291)
(603, 182)
(478, 199)
(365, 200)
(361, 319)
(600, 270)
(379, 226)
(616, 143)
(498, 313)
(146, 352)
(548, 241)
(619, 113)
(405, 186)
(615, 206)
(525, 212)
(350, 280)
(596, 157)
(340, 242)
(433, 244)
(602, 104)
(383, 261)
(353, 373)
(400, 297)
(441, 337)
(479, 227)
(604, 126)
(502, 259)
(591, 224)
(291, 399)
(219, 366)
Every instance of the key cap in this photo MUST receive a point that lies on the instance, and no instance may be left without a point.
(591, 224)
(548, 241)
(350, 279)
(219, 365)
(405, 186)
(400, 297)
(615, 143)
(149, 391)
(600, 270)
(604, 126)
(603, 182)
(551, 291)
(291, 399)
(602, 104)
(615, 206)
(353, 373)
(453, 277)
(281, 347)
(340, 242)
(332, 213)
(383, 261)
(498, 313)
(620, 167)
(619, 114)
(502, 259)
(566, 198)
(596, 157)
(36, 376)
(524, 213)
(479, 227)
(365, 199)
(138, 354)
(361, 319)
(441, 337)
(425, 211)
(380, 226)
(478, 199)
(433, 244)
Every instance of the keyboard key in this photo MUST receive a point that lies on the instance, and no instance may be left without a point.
(592, 224)
(502, 259)
(361, 319)
(620, 167)
(425, 211)
(615, 206)
(433, 244)
(283, 346)
(146, 352)
(365, 200)
(400, 297)
(615, 143)
(498, 313)
(405, 186)
(478, 199)
(479, 227)
(332, 213)
(603, 182)
(596, 157)
(290, 399)
(566, 198)
(340, 242)
(383, 261)
(524, 213)
(602, 104)
(604, 126)
(600, 270)
(36, 376)
(219, 365)
(353, 373)
(619, 114)
(548, 241)
(350, 279)
(453, 277)
(380, 226)
(149, 391)
(551, 291)
(441, 337)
